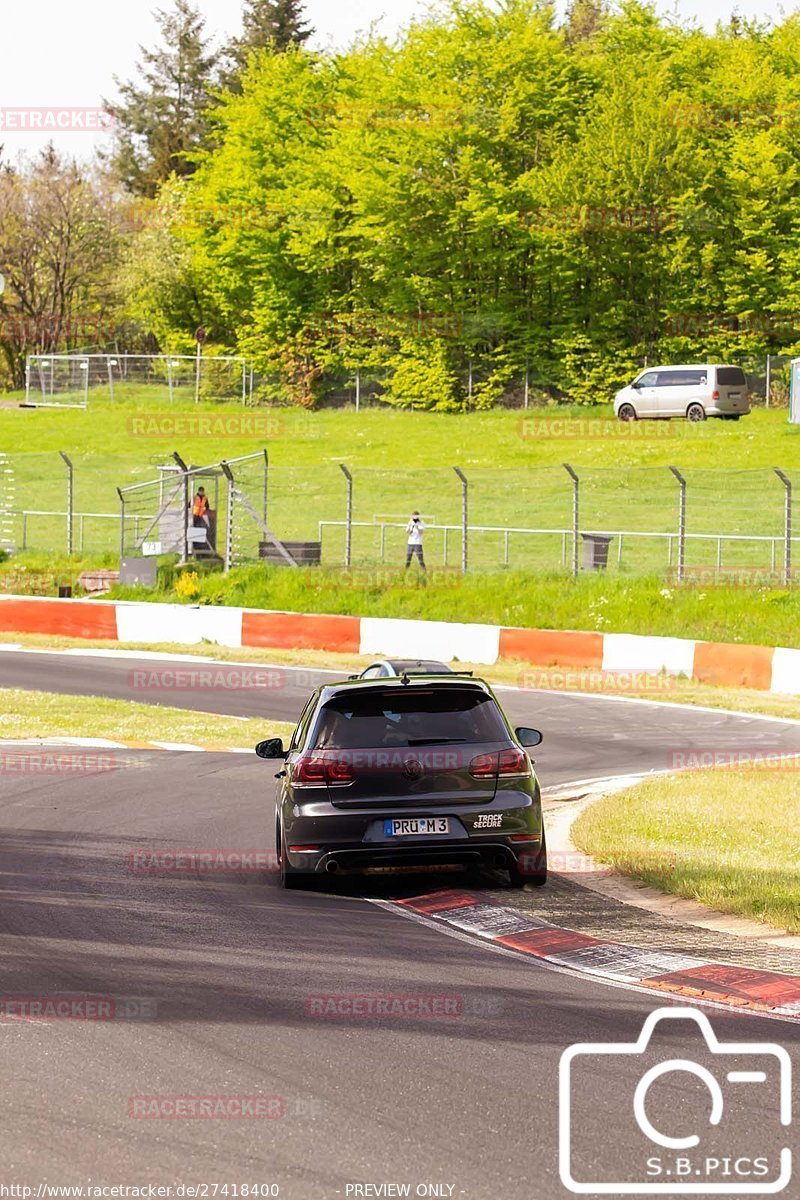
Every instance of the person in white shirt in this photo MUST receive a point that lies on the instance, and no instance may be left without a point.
(415, 529)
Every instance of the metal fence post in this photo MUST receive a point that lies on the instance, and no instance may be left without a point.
(266, 483)
(464, 518)
(576, 516)
(187, 506)
(121, 523)
(787, 553)
(348, 544)
(228, 473)
(681, 524)
(69, 500)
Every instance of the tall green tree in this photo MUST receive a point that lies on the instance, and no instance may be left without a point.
(274, 24)
(271, 25)
(162, 119)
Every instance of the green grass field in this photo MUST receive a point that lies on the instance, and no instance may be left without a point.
(724, 837)
(39, 714)
(403, 460)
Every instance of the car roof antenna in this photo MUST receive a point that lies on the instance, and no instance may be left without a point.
(404, 679)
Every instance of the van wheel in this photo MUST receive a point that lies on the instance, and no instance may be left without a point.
(695, 412)
(626, 412)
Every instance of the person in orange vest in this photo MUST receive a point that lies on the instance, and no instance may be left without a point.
(200, 508)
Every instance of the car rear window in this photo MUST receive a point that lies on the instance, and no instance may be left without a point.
(731, 376)
(408, 717)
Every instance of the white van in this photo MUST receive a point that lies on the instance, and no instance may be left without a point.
(695, 391)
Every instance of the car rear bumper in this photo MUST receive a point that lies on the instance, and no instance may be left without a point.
(727, 408)
(333, 840)
(378, 860)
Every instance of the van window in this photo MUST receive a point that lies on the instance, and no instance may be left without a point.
(648, 380)
(681, 378)
(731, 376)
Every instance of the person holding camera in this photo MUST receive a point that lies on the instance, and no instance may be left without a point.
(415, 529)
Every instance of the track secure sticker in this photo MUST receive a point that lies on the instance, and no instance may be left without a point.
(488, 821)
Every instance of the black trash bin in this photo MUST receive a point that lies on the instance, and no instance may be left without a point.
(595, 551)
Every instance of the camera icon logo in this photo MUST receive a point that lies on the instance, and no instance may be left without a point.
(709, 1124)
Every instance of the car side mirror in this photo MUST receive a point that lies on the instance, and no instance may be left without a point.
(528, 737)
(636, 385)
(271, 748)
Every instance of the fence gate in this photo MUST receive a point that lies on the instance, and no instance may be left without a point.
(156, 516)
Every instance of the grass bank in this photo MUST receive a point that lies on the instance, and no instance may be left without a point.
(726, 838)
(25, 714)
(595, 601)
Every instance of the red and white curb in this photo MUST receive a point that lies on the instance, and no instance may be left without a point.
(766, 993)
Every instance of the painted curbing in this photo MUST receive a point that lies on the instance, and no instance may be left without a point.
(740, 988)
(763, 668)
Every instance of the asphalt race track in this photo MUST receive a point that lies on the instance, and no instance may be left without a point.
(586, 737)
(211, 986)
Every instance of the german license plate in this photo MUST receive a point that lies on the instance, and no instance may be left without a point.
(416, 826)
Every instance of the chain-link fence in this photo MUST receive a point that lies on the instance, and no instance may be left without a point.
(674, 521)
(69, 380)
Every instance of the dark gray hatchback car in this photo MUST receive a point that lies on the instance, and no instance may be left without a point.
(407, 773)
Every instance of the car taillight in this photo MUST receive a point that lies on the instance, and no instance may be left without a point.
(506, 762)
(309, 772)
(514, 762)
(483, 766)
(339, 771)
(318, 771)
(715, 395)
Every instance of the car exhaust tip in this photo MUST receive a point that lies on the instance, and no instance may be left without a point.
(331, 867)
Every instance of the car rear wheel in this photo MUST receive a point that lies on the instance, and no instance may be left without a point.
(695, 412)
(536, 877)
(290, 879)
(627, 412)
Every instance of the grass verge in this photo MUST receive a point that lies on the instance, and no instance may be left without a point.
(726, 838)
(595, 601)
(26, 714)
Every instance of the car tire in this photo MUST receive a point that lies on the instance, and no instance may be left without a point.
(695, 412)
(537, 878)
(290, 879)
(627, 413)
